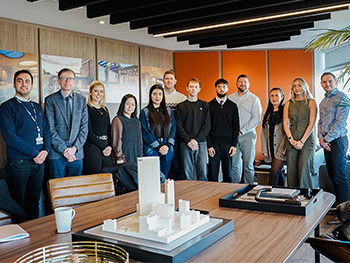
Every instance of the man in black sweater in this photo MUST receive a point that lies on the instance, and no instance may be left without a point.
(193, 125)
(223, 136)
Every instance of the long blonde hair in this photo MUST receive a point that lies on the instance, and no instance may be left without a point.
(92, 86)
(305, 86)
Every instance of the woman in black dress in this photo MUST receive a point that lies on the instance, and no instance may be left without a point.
(98, 146)
(126, 132)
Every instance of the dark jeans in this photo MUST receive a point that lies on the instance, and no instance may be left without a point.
(221, 154)
(60, 168)
(195, 160)
(25, 180)
(336, 166)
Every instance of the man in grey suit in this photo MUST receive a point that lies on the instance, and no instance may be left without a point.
(67, 116)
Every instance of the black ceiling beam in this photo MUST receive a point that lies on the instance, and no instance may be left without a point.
(220, 10)
(243, 15)
(159, 10)
(259, 25)
(258, 42)
(235, 35)
(256, 35)
(112, 6)
(64, 5)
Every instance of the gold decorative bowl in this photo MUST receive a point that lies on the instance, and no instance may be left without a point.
(80, 251)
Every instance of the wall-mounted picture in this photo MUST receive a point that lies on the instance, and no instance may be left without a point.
(84, 73)
(12, 61)
(119, 79)
(149, 77)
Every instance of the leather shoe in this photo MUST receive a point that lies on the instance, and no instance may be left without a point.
(334, 221)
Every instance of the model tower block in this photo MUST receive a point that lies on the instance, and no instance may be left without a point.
(157, 219)
(148, 175)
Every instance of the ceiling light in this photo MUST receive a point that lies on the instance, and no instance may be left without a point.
(28, 63)
(264, 18)
(101, 22)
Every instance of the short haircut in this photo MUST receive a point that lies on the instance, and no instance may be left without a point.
(65, 70)
(328, 73)
(169, 72)
(242, 76)
(20, 72)
(221, 81)
(194, 80)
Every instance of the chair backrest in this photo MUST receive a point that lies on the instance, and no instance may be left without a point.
(79, 190)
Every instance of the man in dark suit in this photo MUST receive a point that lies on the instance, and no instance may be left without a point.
(67, 116)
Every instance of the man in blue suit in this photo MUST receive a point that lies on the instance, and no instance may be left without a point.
(67, 116)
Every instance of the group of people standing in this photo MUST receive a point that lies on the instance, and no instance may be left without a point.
(76, 136)
(288, 135)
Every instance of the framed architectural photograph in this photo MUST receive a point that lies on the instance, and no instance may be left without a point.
(84, 73)
(12, 61)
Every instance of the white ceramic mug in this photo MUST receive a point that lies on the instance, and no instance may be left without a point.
(64, 216)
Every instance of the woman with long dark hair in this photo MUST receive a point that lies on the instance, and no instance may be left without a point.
(97, 148)
(273, 137)
(299, 118)
(158, 128)
(126, 132)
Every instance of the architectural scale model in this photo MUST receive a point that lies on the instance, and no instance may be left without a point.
(156, 218)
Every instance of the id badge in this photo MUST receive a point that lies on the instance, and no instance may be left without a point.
(39, 140)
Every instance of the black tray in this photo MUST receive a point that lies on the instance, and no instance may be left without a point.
(230, 200)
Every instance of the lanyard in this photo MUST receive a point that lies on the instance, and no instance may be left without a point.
(34, 118)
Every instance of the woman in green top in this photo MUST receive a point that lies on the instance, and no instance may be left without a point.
(299, 118)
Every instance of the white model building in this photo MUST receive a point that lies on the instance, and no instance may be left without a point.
(157, 219)
(148, 176)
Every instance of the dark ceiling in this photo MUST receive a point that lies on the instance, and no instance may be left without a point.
(173, 15)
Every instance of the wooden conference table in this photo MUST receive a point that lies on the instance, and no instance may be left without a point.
(257, 236)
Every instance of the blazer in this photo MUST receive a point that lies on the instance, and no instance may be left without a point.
(280, 140)
(57, 120)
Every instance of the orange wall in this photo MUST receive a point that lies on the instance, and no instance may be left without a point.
(202, 65)
(286, 65)
(253, 64)
(283, 67)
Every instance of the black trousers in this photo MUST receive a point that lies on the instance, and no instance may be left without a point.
(25, 180)
(221, 154)
(94, 160)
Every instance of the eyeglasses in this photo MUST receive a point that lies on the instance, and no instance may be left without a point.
(65, 79)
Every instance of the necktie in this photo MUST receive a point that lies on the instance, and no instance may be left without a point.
(221, 103)
(69, 113)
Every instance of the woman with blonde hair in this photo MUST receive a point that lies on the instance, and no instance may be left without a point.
(299, 118)
(98, 146)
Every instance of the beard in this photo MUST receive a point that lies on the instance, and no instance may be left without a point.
(242, 89)
(221, 95)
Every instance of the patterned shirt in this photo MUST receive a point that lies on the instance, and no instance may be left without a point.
(333, 118)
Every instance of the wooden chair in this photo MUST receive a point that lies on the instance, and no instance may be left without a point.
(79, 190)
(334, 249)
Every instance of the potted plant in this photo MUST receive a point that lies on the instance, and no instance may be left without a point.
(329, 39)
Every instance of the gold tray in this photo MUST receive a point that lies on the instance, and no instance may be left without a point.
(80, 251)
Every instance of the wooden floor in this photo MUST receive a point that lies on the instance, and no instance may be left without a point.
(306, 254)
